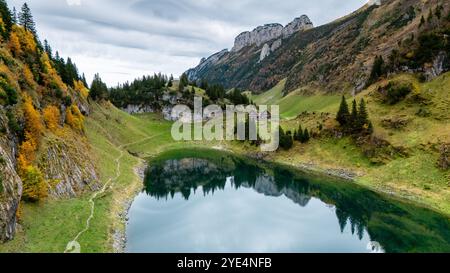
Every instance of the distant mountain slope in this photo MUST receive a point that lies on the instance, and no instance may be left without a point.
(333, 58)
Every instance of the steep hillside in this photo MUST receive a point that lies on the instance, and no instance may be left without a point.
(338, 56)
(44, 153)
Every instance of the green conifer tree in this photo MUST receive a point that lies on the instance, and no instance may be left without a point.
(26, 19)
(343, 113)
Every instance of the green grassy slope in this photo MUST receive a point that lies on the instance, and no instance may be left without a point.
(295, 102)
(49, 226)
(414, 176)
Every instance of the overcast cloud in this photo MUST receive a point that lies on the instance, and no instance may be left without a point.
(125, 39)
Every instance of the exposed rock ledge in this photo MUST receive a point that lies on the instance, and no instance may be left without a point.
(263, 34)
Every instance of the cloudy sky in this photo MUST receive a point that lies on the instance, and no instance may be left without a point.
(125, 39)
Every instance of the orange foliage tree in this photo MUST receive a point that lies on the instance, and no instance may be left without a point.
(74, 118)
(34, 186)
(51, 116)
(14, 45)
(80, 88)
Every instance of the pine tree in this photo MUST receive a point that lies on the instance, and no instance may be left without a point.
(343, 113)
(48, 49)
(26, 19)
(6, 18)
(83, 80)
(378, 70)
(354, 116)
(170, 83)
(14, 15)
(183, 82)
(363, 116)
(306, 136)
(99, 90)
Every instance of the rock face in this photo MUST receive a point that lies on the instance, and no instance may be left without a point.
(10, 184)
(204, 65)
(138, 109)
(258, 36)
(68, 170)
(267, 50)
(270, 36)
(263, 34)
(300, 23)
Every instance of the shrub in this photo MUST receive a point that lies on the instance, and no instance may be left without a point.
(34, 186)
(286, 141)
(10, 92)
(394, 92)
(13, 125)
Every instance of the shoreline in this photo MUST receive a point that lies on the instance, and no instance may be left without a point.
(119, 235)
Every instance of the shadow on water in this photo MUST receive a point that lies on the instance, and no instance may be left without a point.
(397, 226)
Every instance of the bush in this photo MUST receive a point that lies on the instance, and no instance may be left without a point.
(34, 186)
(286, 141)
(11, 94)
(13, 125)
(395, 92)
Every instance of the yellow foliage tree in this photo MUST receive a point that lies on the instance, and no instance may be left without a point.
(74, 118)
(26, 38)
(50, 72)
(34, 186)
(80, 88)
(52, 116)
(14, 45)
(28, 76)
(33, 122)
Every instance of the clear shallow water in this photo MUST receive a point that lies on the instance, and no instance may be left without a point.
(212, 203)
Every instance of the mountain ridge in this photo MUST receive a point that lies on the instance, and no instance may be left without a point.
(333, 58)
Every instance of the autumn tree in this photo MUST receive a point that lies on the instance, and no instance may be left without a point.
(26, 19)
(52, 117)
(81, 88)
(74, 118)
(34, 186)
(14, 45)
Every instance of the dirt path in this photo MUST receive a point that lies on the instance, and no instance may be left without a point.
(75, 247)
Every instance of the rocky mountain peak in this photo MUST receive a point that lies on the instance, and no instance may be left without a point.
(262, 34)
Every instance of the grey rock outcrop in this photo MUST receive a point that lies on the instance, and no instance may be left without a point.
(68, 170)
(262, 34)
(300, 23)
(267, 50)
